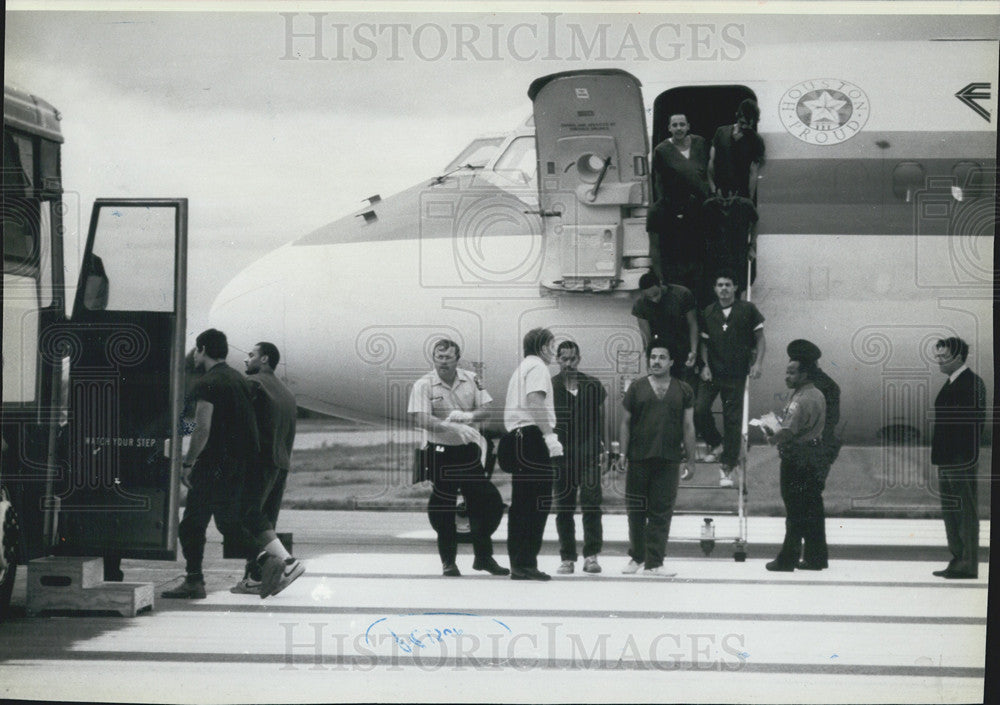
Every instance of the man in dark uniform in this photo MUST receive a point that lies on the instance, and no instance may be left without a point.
(224, 452)
(669, 314)
(737, 154)
(274, 406)
(223, 444)
(730, 239)
(808, 352)
(579, 401)
(446, 402)
(657, 417)
(733, 347)
(680, 185)
(959, 413)
(799, 441)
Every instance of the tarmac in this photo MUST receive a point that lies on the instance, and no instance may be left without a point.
(373, 620)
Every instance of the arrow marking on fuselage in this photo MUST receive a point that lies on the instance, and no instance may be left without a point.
(973, 93)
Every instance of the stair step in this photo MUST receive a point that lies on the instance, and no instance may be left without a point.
(66, 571)
(73, 584)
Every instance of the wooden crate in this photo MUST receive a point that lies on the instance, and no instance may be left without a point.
(72, 584)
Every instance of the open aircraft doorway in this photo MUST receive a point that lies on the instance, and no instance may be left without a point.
(707, 108)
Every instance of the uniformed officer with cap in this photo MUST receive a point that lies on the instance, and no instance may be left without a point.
(808, 352)
(803, 466)
(447, 402)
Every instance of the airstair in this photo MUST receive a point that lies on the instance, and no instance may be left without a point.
(707, 536)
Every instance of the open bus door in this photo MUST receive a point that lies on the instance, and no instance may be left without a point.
(593, 177)
(115, 491)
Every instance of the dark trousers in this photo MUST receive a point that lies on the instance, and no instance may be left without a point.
(578, 476)
(731, 391)
(803, 472)
(260, 480)
(216, 491)
(960, 511)
(272, 501)
(681, 251)
(689, 273)
(650, 494)
(688, 375)
(263, 490)
(531, 495)
(457, 469)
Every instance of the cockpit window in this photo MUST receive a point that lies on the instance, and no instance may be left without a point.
(477, 154)
(518, 162)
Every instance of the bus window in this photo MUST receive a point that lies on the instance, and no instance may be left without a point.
(46, 285)
(20, 243)
(518, 162)
(20, 218)
(20, 210)
(20, 338)
(129, 240)
(95, 285)
(18, 158)
(48, 162)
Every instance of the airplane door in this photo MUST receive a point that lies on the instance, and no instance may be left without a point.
(592, 147)
(117, 490)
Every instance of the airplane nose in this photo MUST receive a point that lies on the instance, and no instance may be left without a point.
(250, 307)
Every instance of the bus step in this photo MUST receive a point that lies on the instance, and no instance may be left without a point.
(74, 584)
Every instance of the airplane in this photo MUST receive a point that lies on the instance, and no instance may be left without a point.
(877, 216)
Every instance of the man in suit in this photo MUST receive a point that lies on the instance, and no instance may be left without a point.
(959, 413)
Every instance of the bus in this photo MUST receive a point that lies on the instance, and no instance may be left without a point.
(91, 387)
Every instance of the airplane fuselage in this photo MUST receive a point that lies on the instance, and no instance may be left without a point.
(875, 239)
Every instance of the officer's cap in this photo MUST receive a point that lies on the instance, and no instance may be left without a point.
(803, 351)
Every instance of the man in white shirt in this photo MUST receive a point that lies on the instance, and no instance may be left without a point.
(447, 402)
(528, 451)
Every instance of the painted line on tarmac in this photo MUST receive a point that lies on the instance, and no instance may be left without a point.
(264, 607)
(371, 661)
(951, 584)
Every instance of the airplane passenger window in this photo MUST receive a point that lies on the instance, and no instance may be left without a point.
(518, 162)
(477, 154)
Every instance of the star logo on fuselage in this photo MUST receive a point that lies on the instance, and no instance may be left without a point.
(824, 111)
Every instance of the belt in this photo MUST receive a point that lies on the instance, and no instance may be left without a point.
(522, 430)
(792, 446)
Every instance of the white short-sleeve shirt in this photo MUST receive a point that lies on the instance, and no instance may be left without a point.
(431, 395)
(532, 375)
